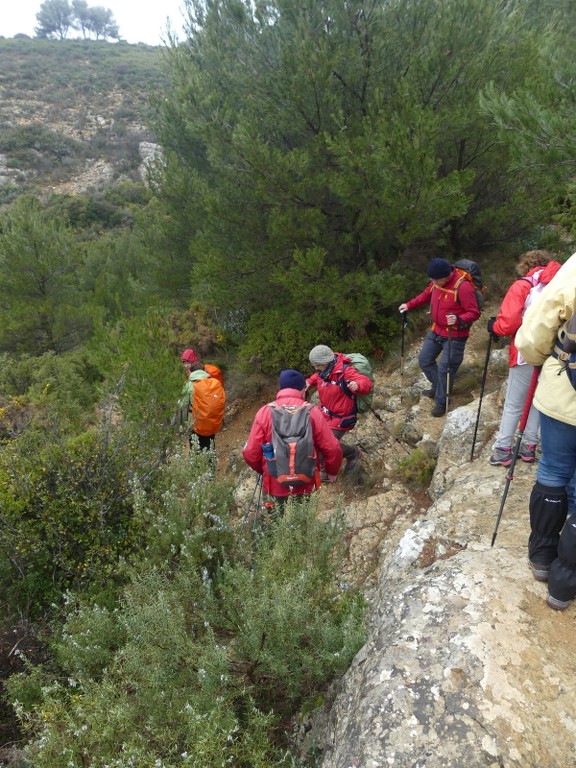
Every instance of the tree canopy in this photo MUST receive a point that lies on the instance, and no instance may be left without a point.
(318, 141)
(56, 17)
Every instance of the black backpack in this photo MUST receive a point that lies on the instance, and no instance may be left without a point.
(470, 270)
(294, 456)
(565, 349)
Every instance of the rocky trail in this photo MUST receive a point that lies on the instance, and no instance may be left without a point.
(464, 663)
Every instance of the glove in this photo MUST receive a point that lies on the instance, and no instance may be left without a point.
(490, 326)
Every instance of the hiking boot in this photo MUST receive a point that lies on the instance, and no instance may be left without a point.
(428, 393)
(323, 476)
(528, 453)
(557, 605)
(502, 457)
(351, 463)
(439, 409)
(540, 571)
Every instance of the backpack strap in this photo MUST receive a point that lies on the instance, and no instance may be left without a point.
(565, 348)
(343, 386)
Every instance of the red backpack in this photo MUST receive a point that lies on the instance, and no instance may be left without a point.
(208, 406)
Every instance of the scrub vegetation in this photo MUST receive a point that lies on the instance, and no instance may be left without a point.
(315, 156)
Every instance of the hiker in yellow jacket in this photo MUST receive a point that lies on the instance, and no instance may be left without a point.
(544, 339)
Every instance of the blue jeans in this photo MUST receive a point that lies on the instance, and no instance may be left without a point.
(451, 353)
(557, 466)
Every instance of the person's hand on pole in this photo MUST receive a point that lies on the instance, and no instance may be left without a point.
(490, 329)
(451, 320)
(403, 308)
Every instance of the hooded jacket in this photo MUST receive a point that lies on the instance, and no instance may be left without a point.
(449, 299)
(261, 432)
(535, 339)
(338, 406)
(509, 317)
(187, 397)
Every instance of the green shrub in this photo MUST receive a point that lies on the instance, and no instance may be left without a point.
(204, 655)
(40, 139)
(416, 470)
(294, 629)
(66, 512)
(282, 340)
(136, 359)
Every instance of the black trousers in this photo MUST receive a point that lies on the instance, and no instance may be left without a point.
(206, 442)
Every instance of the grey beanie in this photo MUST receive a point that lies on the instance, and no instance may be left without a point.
(321, 355)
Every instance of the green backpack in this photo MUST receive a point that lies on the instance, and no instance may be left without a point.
(362, 365)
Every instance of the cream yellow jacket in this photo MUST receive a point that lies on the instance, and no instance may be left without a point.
(555, 395)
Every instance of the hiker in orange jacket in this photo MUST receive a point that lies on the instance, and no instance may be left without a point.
(291, 393)
(454, 308)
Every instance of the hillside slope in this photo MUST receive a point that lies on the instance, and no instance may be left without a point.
(73, 110)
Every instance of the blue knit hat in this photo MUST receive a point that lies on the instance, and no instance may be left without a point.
(292, 379)
(439, 268)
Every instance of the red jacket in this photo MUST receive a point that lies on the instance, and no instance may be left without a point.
(509, 317)
(449, 301)
(338, 407)
(261, 432)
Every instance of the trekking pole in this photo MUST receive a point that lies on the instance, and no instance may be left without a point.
(381, 420)
(257, 490)
(404, 316)
(484, 372)
(521, 428)
(448, 368)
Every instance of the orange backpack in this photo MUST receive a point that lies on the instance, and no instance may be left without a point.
(208, 406)
(214, 372)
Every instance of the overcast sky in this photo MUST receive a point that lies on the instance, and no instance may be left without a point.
(139, 21)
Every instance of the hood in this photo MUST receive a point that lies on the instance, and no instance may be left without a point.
(547, 272)
(197, 375)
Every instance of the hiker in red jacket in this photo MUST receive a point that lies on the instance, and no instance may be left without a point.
(454, 308)
(535, 269)
(291, 393)
(338, 383)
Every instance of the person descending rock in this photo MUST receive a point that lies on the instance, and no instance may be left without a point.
(535, 270)
(547, 337)
(203, 399)
(454, 308)
(338, 383)
(287, 439)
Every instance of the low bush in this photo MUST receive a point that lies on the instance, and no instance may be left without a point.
(66, 510)
(215, 641)
(416, 469)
